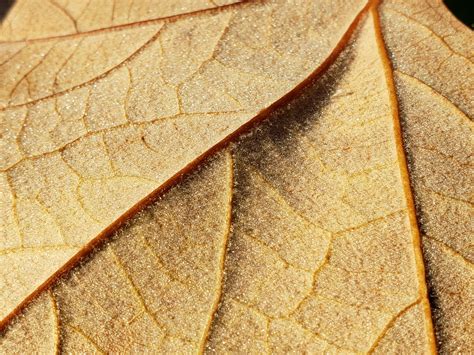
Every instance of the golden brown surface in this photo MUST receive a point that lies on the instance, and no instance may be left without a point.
(328, 164)
(436, 109)
(300, 237)
(154, 286)
(320, 254)
(92, 124)
(36, 330)
(70, 17)
(440, 143)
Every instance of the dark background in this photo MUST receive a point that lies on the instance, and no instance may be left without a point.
(4, 6)
(462, 9)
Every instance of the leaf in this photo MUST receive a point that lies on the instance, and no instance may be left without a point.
(95, 123)
(436, 108)
(302, 236)
(61, 18)
(284, 264)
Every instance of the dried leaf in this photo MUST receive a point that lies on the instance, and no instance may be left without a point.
(63, 17)
(94, 123)
(300, 237)
(436, 108)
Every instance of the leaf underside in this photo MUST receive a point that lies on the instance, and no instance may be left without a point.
(323, 229)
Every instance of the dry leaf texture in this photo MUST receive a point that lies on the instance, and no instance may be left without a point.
(302, 226)
(67, 17)
(436, 109)
(301, 237)
(93, 123)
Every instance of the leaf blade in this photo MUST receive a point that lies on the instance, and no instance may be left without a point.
(290, 257)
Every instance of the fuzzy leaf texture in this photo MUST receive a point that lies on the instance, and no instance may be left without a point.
(229, 176)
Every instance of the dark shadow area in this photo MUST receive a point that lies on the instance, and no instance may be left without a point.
(5, 6)
(284, 126)
(463, 10)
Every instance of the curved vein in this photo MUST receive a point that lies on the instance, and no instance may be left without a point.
(416, 81)
(90, 81)
(143, 23)
(173, 180)
(405, 177)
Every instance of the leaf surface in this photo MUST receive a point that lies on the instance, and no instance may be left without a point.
(66, 18)
(436, 109)
(302, 236)
(275, 243)
(94, 123)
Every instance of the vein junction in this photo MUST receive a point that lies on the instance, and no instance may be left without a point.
(273, 244)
